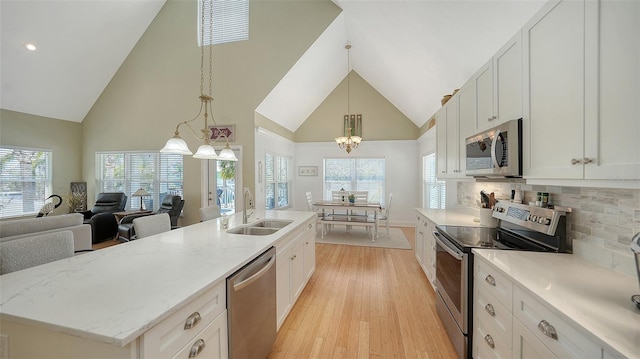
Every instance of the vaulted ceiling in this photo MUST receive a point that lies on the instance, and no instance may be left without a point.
(412, 52)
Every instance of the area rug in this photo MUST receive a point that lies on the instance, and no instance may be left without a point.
(360, 237)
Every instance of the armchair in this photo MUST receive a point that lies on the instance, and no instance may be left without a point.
(100, 217)
(171, 204)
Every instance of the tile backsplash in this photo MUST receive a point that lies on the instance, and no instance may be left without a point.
(600, 226)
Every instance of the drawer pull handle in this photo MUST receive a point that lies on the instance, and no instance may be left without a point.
(489, 340)
(489, 279)
(192, 320)
(548, 329)
(196, 348)
(489, 308)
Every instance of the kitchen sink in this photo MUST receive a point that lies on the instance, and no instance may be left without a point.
(272, 223)
(261, 228)
(253, 231)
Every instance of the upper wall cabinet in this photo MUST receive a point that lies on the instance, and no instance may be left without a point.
(582, 87)
(498, 87)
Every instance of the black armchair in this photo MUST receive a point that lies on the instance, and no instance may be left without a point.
(171, 204)
(100, 217)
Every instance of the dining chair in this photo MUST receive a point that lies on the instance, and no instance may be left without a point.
(149, 225)
(311, 209)
(210, 212)
(384, 217)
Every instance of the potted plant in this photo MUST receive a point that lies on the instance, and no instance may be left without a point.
(352, 198)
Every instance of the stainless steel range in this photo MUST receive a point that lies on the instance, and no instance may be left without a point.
(521, 227)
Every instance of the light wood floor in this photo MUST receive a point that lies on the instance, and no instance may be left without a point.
(364, 302)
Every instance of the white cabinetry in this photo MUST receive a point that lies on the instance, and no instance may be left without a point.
(295, 262)
(498, 87)
(510, 322)
(425, 247)
(450, 140)
(582, 86)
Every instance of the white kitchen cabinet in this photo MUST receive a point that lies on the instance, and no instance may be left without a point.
(582, 88)
(510, 322)
(425, 247)
(612, 85)
(498, 87)
(295, 261)
(553, 124)
(450, 140)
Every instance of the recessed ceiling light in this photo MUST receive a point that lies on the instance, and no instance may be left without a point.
(29, 46)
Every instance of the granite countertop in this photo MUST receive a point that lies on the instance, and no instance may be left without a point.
(453, 217)
(596, 299)
(114, 295)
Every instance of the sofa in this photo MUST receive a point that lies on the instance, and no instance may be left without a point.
(21, 228)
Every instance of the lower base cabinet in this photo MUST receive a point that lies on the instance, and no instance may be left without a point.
(510, 322)
(425, 248)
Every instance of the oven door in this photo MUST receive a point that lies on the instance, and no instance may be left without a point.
(451, 279)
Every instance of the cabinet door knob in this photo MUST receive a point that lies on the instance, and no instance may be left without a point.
(489, 340)
(575, 161)
(489, 279)
(490, 309)
(587, 160)
(192, 320)
(196, 348)
(548, 329)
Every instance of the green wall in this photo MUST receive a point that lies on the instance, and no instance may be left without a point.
(158, 85)
(64, 138)
(381, 120)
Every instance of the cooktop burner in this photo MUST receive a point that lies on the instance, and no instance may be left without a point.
(466, 238)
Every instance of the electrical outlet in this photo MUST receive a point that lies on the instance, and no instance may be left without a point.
(4, 346)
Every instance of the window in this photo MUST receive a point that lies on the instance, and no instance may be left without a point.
(158, 173)
(230, 21)
(25, 180)
(277, 181)
(355, 174)
(434, 190)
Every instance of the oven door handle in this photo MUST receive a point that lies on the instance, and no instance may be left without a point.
(446, 247)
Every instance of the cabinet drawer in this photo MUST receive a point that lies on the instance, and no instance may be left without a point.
(166, 338)
(549, 328)
(490, 343)
(494, 282)
(489, 310)
(210, 343)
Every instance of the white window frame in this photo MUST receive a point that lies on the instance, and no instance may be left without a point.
(434, 191)
(156, 185)
(285, 179)
(43, 183)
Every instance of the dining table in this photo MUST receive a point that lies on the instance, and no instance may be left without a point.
(349, 217)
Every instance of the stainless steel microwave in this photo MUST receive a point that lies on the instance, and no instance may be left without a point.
(496, 152)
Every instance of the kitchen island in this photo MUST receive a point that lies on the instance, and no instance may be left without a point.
(101, 304)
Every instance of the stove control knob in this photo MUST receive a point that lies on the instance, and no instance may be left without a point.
(546, 221)
(528, 217)
(500, 209)
(533, 218)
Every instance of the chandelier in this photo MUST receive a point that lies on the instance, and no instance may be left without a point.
(352, 123)
(176, 144)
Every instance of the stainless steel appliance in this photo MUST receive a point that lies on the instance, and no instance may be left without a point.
(521, 227)
(496, 152)
(251, 307)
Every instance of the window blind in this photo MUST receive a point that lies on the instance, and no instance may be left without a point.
(230, 21)
(25, 180)
(355, 174)
(434, 191)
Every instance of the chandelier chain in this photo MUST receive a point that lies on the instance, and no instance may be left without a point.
(210, 47)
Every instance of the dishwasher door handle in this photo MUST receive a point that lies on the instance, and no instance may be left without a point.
(253, 278)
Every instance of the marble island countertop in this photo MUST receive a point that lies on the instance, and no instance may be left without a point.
(114, 295)
(594, 298)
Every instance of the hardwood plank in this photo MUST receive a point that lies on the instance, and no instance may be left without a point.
(364, 302)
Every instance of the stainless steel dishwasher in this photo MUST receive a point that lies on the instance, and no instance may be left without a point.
(251, 307)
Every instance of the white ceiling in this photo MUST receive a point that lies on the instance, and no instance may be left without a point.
(412, 52)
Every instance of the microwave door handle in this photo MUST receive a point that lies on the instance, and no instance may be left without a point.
(494, 143)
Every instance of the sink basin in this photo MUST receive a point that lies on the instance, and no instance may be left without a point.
(272, 223)
(253, 231)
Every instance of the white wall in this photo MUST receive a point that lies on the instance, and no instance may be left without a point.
(401, 173)
(267, 141)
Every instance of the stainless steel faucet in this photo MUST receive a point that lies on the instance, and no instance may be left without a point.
(246, 204)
